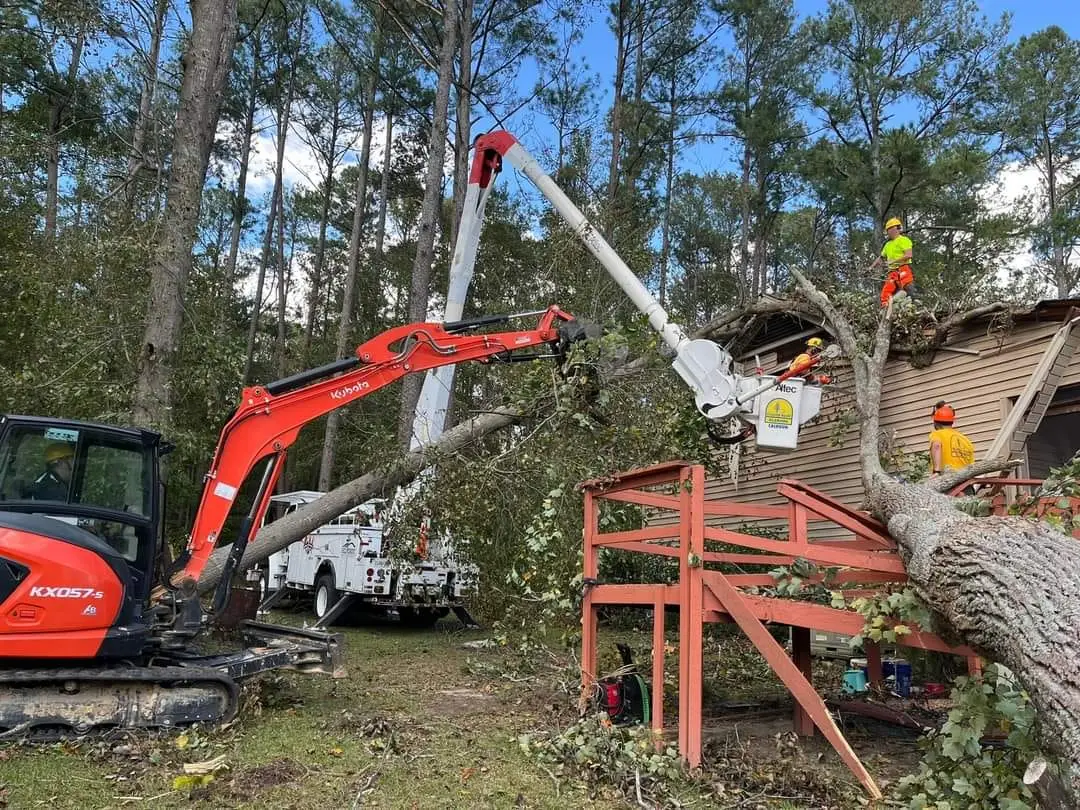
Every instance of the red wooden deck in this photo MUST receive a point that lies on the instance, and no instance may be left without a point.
(861, 548)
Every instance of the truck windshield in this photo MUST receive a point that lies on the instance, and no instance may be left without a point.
(75, 466)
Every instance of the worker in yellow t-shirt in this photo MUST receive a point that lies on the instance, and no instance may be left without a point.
(896, 255)
(949, 448)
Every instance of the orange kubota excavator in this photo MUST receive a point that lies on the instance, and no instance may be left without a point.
(89, 639)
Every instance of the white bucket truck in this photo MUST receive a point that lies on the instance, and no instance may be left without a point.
(347, 557)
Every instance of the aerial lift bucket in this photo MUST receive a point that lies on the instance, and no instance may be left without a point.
(781, 409)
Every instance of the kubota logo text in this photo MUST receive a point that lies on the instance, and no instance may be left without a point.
(50, 592)
(349, 390)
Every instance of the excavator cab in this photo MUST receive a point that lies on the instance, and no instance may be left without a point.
(71, 492)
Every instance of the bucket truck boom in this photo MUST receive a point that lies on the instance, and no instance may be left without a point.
(719, 393)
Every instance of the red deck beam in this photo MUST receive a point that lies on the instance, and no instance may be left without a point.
(713, 596)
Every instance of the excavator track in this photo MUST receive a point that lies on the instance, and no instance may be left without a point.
(57, 703)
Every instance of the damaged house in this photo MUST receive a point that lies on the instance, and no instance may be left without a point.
(1013, 378)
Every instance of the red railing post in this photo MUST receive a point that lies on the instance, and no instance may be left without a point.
(685, 618)
(658, 667)
(590, 569)
(696, 609)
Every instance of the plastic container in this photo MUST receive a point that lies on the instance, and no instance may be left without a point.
(902, 671)
(888, 668)
(854, 681)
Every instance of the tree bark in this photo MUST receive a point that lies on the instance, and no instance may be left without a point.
(745, 293)
(429, 211)
(463, 120)
(240, 203)
(324, 220)
(206, 68)
(1006, 586)
(1057, 249)
(384, 190)
(669, 181)
(280, 349)
(137, 158)
(260, 283)
(621, 13)
(57, 108)
(1047, 788)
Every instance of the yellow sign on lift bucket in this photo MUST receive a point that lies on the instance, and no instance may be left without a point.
(778, 416)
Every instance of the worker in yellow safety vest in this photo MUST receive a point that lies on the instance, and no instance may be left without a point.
(814, 347)
(896, 255)
(949, 448)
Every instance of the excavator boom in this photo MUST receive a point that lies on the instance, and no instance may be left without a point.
(270, 417)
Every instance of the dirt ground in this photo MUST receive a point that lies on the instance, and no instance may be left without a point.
(423, 722)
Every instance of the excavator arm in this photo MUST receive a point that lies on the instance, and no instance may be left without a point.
(270, 417)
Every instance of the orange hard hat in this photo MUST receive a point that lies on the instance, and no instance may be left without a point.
(944, 413)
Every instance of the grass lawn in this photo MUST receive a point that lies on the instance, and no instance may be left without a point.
(410, 727)
(421, 722)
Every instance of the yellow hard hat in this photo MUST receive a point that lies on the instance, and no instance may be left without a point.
(893, 223)
(815, 343)
(57, 451)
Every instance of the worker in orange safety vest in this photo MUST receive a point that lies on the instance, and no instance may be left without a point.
(949, 448)
(896, 255)
(814, 347)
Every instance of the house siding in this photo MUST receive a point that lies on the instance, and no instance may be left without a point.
(977, 386)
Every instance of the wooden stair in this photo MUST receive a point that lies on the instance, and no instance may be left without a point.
(1031, 406)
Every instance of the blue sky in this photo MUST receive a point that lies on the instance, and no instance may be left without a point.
(598, 48)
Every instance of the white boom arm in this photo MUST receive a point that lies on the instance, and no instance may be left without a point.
(703, 365)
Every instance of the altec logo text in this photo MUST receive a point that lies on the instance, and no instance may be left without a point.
(349, 390)
(48, 591)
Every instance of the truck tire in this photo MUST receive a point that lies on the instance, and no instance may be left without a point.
(264, 585)
(326, 594)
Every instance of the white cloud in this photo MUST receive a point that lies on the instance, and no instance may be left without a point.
(1014, 187)
(302, 168)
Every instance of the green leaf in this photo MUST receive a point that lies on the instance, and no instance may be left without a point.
(190, 781)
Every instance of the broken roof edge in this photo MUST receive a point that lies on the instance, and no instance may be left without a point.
(771, 322)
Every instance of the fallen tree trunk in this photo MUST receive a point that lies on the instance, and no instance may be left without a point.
(1006, 586)
(380, 482)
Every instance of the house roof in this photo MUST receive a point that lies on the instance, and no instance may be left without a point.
(1051, 309)
(767, 331)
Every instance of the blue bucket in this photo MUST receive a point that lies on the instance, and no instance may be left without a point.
(903, 677)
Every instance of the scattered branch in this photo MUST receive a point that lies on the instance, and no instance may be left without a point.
(1041, 780)
(945, 483)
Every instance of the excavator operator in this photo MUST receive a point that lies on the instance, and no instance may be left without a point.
(896, 255)
(52, 485)
(814, 347)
